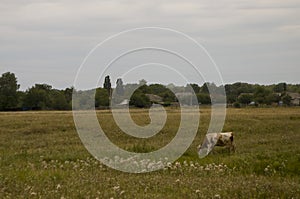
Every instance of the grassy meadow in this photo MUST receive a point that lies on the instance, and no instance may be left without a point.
(41, 156)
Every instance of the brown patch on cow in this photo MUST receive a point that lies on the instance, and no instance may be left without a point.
(225, 142)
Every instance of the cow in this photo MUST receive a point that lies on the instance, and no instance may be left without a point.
(224, 139)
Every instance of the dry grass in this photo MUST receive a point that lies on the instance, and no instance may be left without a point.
(41, 155)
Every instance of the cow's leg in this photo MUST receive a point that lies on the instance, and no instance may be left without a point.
(232, 147)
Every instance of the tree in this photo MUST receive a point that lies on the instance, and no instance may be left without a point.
(157, 89)
(107, 85)
(233, 91)
(144, 89)
(280, 88)
(58, 100)
(142, 82)
(168, 96)
(272, 98)
(203, 98)
(139, 99)
(38, 97)
(204, 88)
(119, 87)
(101, 98)
(45, 87)
(8, 91)
(195, 87)
(68, 92)
(286, 100)
(21, 96)
(260, 95)
(245, 98)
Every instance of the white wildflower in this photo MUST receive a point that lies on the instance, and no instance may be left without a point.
(185, 163)
(116, 188)
(169, 164)
(122, 192)
(58, 186)
(266, 169)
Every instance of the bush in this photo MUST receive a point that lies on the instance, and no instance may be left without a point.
(236, 105)
(204, 98)
(140, 100)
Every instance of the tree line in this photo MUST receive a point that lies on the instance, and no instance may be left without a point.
(45, 97)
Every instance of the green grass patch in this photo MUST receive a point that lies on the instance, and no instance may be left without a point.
(41, 156)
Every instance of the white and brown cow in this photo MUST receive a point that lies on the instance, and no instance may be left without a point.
(224, 139)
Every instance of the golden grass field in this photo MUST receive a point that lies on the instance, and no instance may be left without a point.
(41, 156)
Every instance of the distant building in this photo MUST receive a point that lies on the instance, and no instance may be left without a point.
(296, 101)
(155, 98)
(124, 102)
(295, 98)
(252, 103)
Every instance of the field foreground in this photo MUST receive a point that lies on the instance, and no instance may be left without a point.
(41, 156)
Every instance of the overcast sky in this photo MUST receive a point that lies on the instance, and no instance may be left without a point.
(254, 41)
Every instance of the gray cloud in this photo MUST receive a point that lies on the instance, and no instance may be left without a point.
(254, 41)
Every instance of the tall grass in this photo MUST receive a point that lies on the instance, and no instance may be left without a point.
(41, 156)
